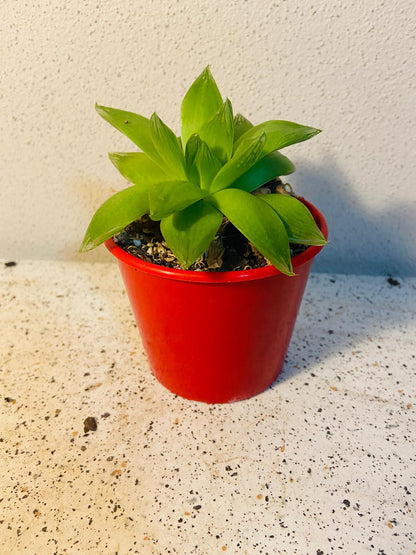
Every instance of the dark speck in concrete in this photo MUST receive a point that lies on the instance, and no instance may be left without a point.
(90, 424)
(392, 281)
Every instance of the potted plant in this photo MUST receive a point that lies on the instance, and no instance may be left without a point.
(211, 335)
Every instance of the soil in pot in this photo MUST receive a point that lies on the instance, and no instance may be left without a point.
(229, 251)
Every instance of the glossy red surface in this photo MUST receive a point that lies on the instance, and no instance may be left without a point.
(216, 337)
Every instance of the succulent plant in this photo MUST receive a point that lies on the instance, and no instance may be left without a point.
(191, 182)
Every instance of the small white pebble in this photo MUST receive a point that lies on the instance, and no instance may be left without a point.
(263, 191)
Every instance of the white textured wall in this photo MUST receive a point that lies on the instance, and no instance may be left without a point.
(346, 67)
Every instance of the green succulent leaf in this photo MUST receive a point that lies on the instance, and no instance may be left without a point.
(262, 227)
(279, 134)
(189, 232)
(137, 167)
(114, 215)
(202, 164)
(134, 126)
(200, 103)
(271, 166)
(239, 164)
(218, 132)
(241, 125)
(190, 154)
(207, 164)
(298, 221)
(170, 196)
(168, 148)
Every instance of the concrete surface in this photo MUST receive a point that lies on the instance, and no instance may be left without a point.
(322, 462)
(346, 67)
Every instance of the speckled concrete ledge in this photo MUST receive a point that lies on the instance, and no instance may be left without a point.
(322, 462)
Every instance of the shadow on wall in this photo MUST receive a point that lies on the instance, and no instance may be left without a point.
(335, 317)
(361, 240)
(86, 195)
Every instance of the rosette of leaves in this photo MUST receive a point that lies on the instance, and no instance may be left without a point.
(190, 183)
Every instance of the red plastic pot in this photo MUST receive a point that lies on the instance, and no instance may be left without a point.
(216, 337)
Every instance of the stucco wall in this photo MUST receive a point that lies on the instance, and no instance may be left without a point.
(346, 67)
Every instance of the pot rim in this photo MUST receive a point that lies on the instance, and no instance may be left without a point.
(221, 277)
